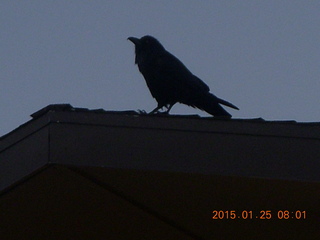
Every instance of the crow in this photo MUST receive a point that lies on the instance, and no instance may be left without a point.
(170, 81)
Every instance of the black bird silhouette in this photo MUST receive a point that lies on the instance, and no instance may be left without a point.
(170, 81)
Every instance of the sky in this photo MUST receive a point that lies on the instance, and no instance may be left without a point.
(263, 56)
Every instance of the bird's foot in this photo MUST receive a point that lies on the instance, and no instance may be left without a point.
(160, 113)
(142, 112)
(154, 111)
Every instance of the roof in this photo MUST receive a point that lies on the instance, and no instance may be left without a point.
(92, 174)
(248, 147)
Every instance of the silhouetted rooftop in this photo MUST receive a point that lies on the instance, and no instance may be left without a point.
(93, 174)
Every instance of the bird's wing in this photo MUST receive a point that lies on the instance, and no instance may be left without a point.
(171, 67)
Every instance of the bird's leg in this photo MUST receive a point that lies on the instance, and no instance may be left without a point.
(155, 110)
(169, 108)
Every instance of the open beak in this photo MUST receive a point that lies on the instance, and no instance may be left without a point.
(136, 41)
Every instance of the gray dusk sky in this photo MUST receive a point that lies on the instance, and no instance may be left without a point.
(263, 56)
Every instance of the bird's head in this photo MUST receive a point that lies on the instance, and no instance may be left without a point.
(146, 45)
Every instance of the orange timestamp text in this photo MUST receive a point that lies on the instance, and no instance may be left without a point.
(262, 214)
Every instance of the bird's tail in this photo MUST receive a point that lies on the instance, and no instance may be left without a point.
(211, 104)
(224, 102)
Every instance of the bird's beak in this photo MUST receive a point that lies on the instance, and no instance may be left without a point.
(136, 41)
